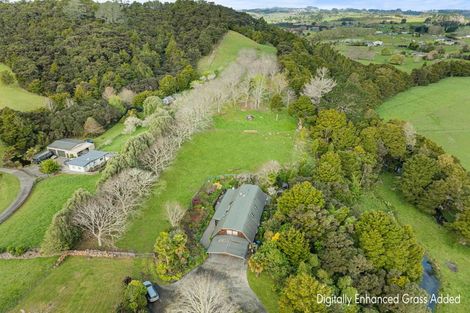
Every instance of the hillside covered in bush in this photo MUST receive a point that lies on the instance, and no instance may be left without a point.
(55, 46)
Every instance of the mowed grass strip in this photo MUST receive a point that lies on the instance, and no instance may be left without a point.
(2, 152)
(26, 227)
(263, 287)
(227, 51)
(9, 188)
(17, 98)
(225, 149)
(17, 277)
(439, 111)
(81, 284)
(440, 243)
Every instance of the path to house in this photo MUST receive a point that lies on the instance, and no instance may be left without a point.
(229, 269)
(26, 185)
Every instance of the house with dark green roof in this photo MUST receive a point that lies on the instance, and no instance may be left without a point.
(235, 222)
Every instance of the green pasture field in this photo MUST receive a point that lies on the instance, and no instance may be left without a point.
(80, 284)
(9, 188)
(26, 227)
(227, 51)
(17, 98)
(18, 277)
(439, 242)
(439, 111)
(224, 149)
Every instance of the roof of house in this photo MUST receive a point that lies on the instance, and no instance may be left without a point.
(41, 154)
(65, 144)
(87, 158)
(240, 210)
(231, 245)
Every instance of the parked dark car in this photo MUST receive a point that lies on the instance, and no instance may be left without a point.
(38, 158)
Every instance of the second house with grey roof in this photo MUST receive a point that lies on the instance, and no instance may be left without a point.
(79, 155)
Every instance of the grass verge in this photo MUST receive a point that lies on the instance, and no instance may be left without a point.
(263, 287)
(9, 188)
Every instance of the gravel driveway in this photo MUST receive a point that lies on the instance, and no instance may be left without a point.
(26, 184)
(232, 271)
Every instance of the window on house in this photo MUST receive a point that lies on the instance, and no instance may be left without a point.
(232, 232)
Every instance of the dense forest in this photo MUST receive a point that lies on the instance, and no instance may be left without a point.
(55, 46)
(91, 59)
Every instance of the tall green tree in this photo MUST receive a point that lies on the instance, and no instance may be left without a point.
(328, 169)
(294, 245)
(300, 196)
(172, 255)
(418, 174)
(389, 245)
(300, 295)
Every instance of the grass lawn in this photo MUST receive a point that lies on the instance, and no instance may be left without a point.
(82, 285)
(18, 277)
(224, 149)
(9, 188)
(113, 139)
(439, 111)
(27, 226)
(2, 152)
(227, 51)
(439, 242)
(263, 287)
(17, 98)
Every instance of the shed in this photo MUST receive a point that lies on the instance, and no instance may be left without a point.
(70, 148)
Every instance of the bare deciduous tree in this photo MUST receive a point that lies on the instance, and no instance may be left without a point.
(126, 95)
(130, 124)
(128, 188)
(410, 134)
(175, 213)
(160, 154)
(99, 218)
(69, 102)
(202, 293)
(319, 85)
(105, 215)
(279, 83)
(50, 105)
(108, 93)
